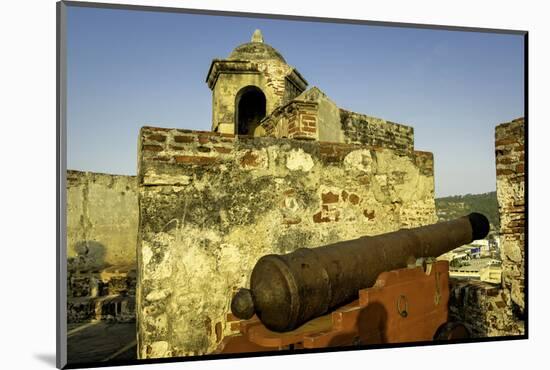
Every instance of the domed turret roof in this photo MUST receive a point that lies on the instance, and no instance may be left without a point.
(256, 49)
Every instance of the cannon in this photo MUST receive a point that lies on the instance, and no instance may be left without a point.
(287, 291)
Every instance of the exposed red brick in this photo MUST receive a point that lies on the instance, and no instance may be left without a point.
(309, 129)
(161, 159)
(203, 139)
(249, 159)
(195, 159)
(292, 221)
(152, 148)
(519, 148)
(354, 199)
(184, 139)
(157, 137)
(503, 172)
(368, 214)
(507, 160)
(500, 304)
(520, 168)
(516, 224)
(329, 197)
(221, 149)
(513, 230)
(506, 141)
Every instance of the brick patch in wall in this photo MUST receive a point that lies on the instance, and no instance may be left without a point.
(152, 148)
(198, 160)
(184, 139)
(329, 197)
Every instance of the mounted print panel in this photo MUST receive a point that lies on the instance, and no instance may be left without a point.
(240, 185)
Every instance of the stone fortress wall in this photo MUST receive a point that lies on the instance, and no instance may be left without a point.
(212, 204)
(102, 225)
(510, 157)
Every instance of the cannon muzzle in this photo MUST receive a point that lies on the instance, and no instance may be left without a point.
(289, 290)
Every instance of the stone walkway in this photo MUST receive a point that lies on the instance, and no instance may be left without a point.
(101, 341)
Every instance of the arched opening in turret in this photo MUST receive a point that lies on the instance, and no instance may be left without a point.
(250, 106)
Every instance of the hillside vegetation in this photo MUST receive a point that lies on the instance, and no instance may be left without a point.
(448, 208)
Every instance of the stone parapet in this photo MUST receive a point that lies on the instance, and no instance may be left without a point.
(212, 204)
(483, 308)
(510, 169)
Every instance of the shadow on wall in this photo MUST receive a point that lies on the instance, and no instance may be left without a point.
(89, 255)
(97, 290)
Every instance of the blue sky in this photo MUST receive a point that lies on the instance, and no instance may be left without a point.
(127, 69)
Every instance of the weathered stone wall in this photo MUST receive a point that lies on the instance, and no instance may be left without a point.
(211, 204)
(497, 310)
(102, 224)
(483, 308)
(362, 129)
(510, 157)
(102, 220)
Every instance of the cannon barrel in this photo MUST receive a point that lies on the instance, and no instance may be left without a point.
(288, 290)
